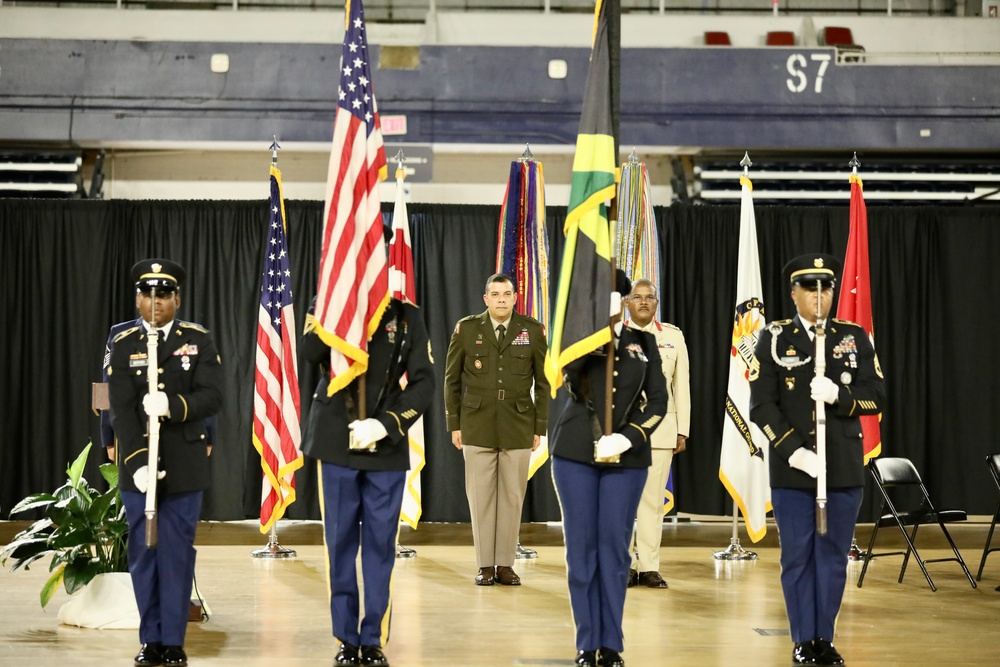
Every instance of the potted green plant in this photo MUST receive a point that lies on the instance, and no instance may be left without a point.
(83, 530)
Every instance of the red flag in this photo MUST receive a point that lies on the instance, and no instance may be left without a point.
(353, 289)
(276, 433)
(856, 297)
(401, 274)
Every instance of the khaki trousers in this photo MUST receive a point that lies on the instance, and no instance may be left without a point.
(495, 483)
(649, 517)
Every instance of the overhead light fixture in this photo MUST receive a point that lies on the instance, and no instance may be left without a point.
(219, 63)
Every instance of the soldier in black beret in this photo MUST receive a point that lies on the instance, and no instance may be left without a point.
(189, 391)
(784, 392)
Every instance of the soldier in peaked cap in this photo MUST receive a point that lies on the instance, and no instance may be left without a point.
(189, 392)
(784, 390)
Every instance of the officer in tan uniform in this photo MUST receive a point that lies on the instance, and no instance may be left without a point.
(494, 358)
(669, 437)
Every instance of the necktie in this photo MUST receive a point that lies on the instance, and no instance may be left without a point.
(501, 330)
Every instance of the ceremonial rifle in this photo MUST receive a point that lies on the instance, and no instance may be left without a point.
(152, 464)
(820, 357)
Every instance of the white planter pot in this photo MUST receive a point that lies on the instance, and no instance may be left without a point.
(107, 602)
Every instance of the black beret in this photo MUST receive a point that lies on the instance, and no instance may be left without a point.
(807, 270)
(163, 274)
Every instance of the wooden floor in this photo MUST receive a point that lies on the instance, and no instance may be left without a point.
(274, 612)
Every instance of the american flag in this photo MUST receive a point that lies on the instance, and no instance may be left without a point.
(276, 386)
(353, 289)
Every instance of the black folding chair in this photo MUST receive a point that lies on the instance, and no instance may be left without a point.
(898, 482)
(993, 461)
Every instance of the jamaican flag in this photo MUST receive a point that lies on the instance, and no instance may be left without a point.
(580, 316)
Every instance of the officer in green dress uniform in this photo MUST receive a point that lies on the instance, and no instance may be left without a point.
(496, 420)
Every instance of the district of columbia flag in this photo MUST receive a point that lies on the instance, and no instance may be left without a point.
(276, 433)
(743, 464)
(580, 317)
(856, 298)
(401, 284)
(353, 289)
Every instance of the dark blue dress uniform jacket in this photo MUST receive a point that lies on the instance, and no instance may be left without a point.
(191, 376)
(780, 402)
(399, 345)
(108, 433)
(640, 402)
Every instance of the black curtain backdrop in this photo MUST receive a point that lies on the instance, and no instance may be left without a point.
(64, 281)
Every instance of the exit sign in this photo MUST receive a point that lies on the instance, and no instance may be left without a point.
(393, 125)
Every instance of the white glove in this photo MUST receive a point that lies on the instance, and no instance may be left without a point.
(805, 460)
(824, 389)
(141, 478)
(367, 432)
(156, 404)
(612, 445)
(616, 305)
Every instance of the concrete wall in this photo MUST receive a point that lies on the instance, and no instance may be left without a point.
(877, 33)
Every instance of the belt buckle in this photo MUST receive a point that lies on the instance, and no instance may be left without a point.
(500, 395)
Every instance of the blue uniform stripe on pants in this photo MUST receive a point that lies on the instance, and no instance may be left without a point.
(361, 511)
(814, 566)
(598, 509)
(161, 577)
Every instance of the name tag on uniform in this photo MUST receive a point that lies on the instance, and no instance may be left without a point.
(137, 360)
(186, 349)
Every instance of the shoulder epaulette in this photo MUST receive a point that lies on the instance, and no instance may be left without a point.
(531, 320)
(670, 326)
(127, 332)
(838, 321)
(192, 325)
(783, 323)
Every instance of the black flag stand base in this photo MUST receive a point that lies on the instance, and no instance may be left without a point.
(524, 552)
(734, 551)
(855, 553)
(405, 552)
(273, 548)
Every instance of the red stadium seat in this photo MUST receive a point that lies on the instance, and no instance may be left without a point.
(781, 38)
(717, 39)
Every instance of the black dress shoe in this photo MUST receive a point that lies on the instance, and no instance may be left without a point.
(149, 655)
(586, 658)
(652, 580)
(347, 655)
(825, 653)
(486, 576)
(609, 658)
(174, 656)
(803, 654)
(633, 577)
(372, 656)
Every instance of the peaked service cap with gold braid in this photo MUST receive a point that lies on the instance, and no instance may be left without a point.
(805, 270)
(163, 274)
